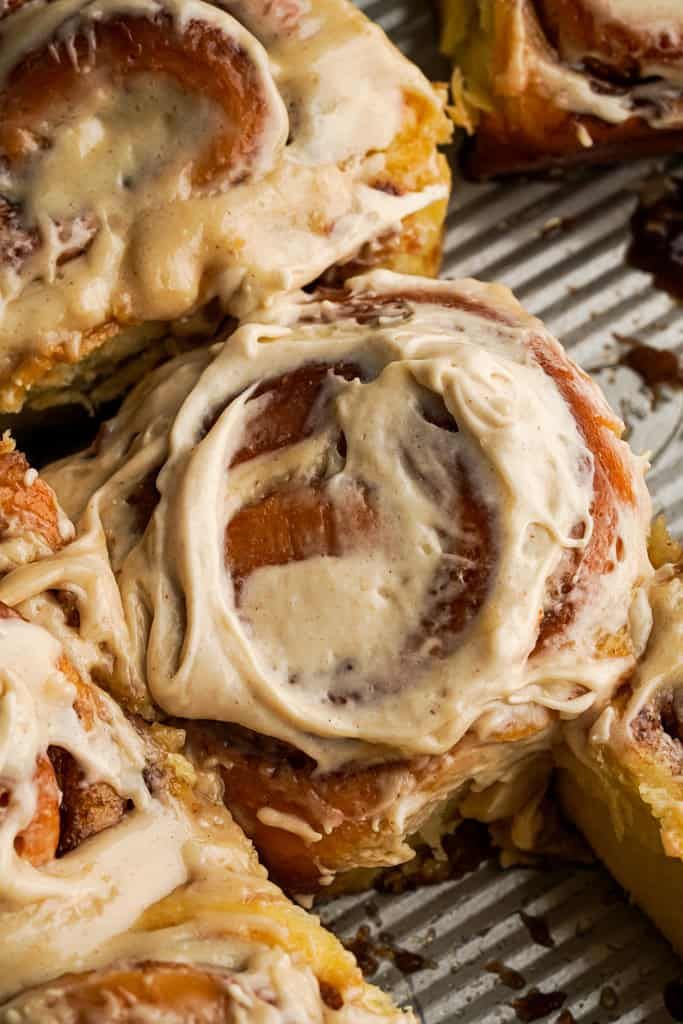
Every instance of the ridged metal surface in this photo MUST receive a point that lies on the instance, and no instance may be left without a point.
(560, 245)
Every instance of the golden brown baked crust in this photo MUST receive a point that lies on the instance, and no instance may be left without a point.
(620, 774)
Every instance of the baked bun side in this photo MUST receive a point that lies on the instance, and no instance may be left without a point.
(544, 83)
(621, 770)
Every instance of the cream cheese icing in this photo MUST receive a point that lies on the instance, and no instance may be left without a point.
(329, 93)
(269, 658)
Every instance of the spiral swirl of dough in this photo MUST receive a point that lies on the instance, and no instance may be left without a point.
(365, 524)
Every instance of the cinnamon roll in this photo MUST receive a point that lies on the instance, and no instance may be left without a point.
(554, 82)
(114, 868)
(175, 158)
(126, 890)
(371, 552)
(621, 770)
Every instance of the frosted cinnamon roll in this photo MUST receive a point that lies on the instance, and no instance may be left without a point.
(621, 770)
(376, 546)
(114, 868)
(168, 158)
(126, 889)
(554, 82)
(118, 911)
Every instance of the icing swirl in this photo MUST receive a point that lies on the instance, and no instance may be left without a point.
(369, 520)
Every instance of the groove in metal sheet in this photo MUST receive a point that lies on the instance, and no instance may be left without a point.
(573, 275)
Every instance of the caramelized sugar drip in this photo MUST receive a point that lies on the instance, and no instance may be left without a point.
(200, 58)
(657, 238)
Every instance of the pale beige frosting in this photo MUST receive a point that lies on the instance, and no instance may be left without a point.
(164, 600)
(529, 59)
(118, 172)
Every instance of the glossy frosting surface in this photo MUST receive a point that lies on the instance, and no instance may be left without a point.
(347, 648)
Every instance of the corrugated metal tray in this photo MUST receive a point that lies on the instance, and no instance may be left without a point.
(560, 245)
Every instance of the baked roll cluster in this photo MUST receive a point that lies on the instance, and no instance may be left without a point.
(369, 558)
(555, 82)
(371, 550)
(179, 162)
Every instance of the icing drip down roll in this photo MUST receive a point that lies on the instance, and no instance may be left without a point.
(390, 524)
(543, 82)
(110, 225)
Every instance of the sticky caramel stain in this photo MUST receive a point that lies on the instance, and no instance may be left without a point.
(536, 1004)
(508, 976)
(537, 928)
(657, 237)
(369, 950)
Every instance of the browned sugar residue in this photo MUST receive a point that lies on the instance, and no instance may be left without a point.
(538, 929)
(657, 237)
(536, 1004)
(330, 995)
(508, 976)
(566, 1017)
(609, 1000)
(466, 849)
(369, 950)
(655, 366)
(673, 999)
